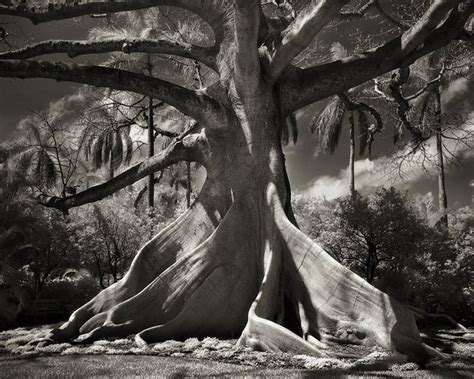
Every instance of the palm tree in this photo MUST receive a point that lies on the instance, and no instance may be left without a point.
(146, 25)
(329, 122)
(34, 156)
(426, 113)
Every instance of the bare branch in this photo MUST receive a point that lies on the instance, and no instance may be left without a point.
(73, 49)
(193, 103)
(212, 11)
(300, 87)
(301, 32)
(181, 149)
(428, 86)
(397, 81)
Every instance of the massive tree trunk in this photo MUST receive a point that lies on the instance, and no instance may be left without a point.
(234, 265)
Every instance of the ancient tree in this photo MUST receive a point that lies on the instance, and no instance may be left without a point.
(235, 264)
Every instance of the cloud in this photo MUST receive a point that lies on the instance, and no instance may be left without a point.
(459, 87)
(387, 171)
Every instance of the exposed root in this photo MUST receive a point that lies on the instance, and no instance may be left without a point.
(261, 333)
(204, 292)
(205, 277)
(334, 298)
(161, 252)
(425, 320)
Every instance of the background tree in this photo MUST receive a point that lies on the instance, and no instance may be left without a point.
(238, 233)
(427, 268)
(328, 124)
(424, 117)
(381, 233)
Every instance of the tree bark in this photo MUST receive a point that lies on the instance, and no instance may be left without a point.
(151, 152)
(442, 196)
(188, 184)
(352, 151)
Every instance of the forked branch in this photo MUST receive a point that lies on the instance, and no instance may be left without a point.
(210, 10)
(195, 104)
(181, 149)
(300, 87)
(302, 31)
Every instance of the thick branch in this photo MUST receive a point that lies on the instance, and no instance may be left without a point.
(428, 22)
(181, 149)
(302, 31)
(193, 103)
(247, 65)
(359, 13)
(73, 49)
(300, 87)
(210, 10)
(395, 87)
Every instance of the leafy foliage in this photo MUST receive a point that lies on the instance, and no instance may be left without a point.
(328, 125)
(392, 242)
(107, 235)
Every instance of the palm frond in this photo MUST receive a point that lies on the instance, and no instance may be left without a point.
(45, 170)
(22, 161)
(107, 147)
(328, 124)
(289, 132)
(33, 131)
(129, 148)
(103, 33)
(363, 123)
(117, 150)
(97, 151)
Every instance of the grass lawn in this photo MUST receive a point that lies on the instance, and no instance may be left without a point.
(213, 357)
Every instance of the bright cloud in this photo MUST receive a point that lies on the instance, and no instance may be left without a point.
(384, 171)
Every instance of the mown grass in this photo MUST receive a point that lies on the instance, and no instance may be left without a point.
(211, 356)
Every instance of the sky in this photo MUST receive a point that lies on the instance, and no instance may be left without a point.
(314, 173)
(310, 171)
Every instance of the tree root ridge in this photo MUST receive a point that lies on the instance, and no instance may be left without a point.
(273, 286)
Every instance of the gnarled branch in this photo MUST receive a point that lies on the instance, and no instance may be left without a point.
(212, 11)
(427, 23)
(181, 149)
(300, 87)
(192, 103)
(302, 31)
(73, 49)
